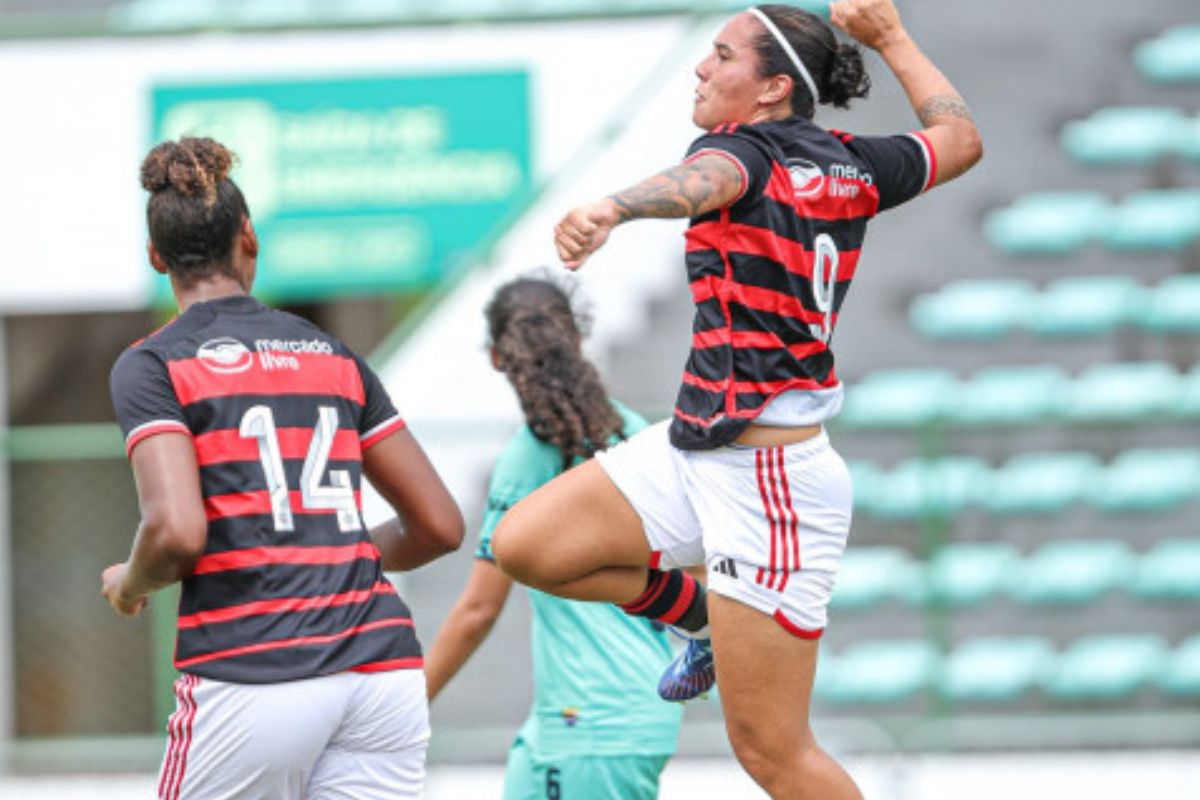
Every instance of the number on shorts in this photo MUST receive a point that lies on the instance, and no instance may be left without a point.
(553, 789)
(338, 495)
(824, 283)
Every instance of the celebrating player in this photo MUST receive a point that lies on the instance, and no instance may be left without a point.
(249, 431)
(596, 729)
(743, 476)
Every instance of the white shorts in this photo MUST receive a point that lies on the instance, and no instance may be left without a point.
(770, 524)
(349, 735)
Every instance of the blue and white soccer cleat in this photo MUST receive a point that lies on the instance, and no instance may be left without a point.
(691, 674)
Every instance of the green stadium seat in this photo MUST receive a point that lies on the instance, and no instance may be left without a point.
(899, 398)
(921, 488)
(1010, 395)
(1127, 135)
(1187, 403)
(1169, 571)
(864, 477)
(1182, 674)
(975, 310)
(881, 671)
(1086, 305)
(1172, 57)
(1106, 667)
(1048, 223)
(1172, 306)
(963, 574)
(1072, 571)
(1122, 392)
(1159, 219)
(870, 576)
(996, 668)
(1038, 483)
(1148, 479)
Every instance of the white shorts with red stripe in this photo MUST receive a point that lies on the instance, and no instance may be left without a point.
(360, 735)
(770, 524)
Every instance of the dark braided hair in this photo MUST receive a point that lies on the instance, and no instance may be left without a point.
(836, 68)
(536, 337)
(195, 211)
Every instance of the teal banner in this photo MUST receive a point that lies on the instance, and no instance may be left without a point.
(364, 185)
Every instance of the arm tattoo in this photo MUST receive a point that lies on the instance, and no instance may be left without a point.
(942, 105)
(686, 190)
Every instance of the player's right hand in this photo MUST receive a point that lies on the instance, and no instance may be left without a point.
(870, 22)
(583, 230)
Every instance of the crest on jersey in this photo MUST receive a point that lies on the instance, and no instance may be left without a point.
(225, 355)
(807, 177)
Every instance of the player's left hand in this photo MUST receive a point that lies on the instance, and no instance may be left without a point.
(111, 582)
(583, 230)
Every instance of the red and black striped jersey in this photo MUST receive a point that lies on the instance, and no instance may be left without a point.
(290, 585)
(768, 273)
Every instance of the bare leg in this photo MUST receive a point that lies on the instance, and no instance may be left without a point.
(765, 676)
(575, 537)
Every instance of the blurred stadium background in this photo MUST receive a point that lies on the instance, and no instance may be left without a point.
(1019, 608)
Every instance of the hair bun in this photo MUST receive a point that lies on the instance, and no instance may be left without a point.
(191, 166)
(848, 78)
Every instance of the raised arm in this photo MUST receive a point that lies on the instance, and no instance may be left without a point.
(429, 523)
(690, 189)
(173, 530)
(467, 625)
(949, 127)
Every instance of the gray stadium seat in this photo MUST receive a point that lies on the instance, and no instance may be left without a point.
(975, 310)
(1127, 135)
(1148, 479)
(1172, 57)
(996, 668)
(1072, 571)
(1107, 667)
(1048, 223)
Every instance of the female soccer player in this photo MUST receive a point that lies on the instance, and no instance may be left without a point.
(249, 431)
(596, 729)
(743, 476)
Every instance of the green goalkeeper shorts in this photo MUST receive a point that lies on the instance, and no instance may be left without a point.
(528, 777)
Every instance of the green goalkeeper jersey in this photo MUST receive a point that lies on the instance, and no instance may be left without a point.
(595, 668)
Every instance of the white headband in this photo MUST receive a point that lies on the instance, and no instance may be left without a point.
(787, 48)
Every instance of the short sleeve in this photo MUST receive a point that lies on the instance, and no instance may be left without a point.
(525, 464)
(144, 398)
(903, 166)
(380, 418)
(745, 153)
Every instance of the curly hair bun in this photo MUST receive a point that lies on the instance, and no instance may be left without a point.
(191, 166)
(848, 78)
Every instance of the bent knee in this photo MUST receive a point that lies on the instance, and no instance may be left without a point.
(764, 750)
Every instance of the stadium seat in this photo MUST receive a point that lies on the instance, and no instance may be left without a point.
(881, 671)
(1072, 571)
(1148, 480)
(870, 576)
(963, 574)
(1126, 135)
(899, 398)
(1010, 395)
(1086, 305)
(1106, 667)
(974, 310)
(1172, 306)
(1187, 402)
(1169, 571)
(920, 488)
(1172, 57)
(1034, 483)
(995, 668)
(1182, 673)
(1159, 219)
(864, 477)
(1121, 392)
(1048, 223)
